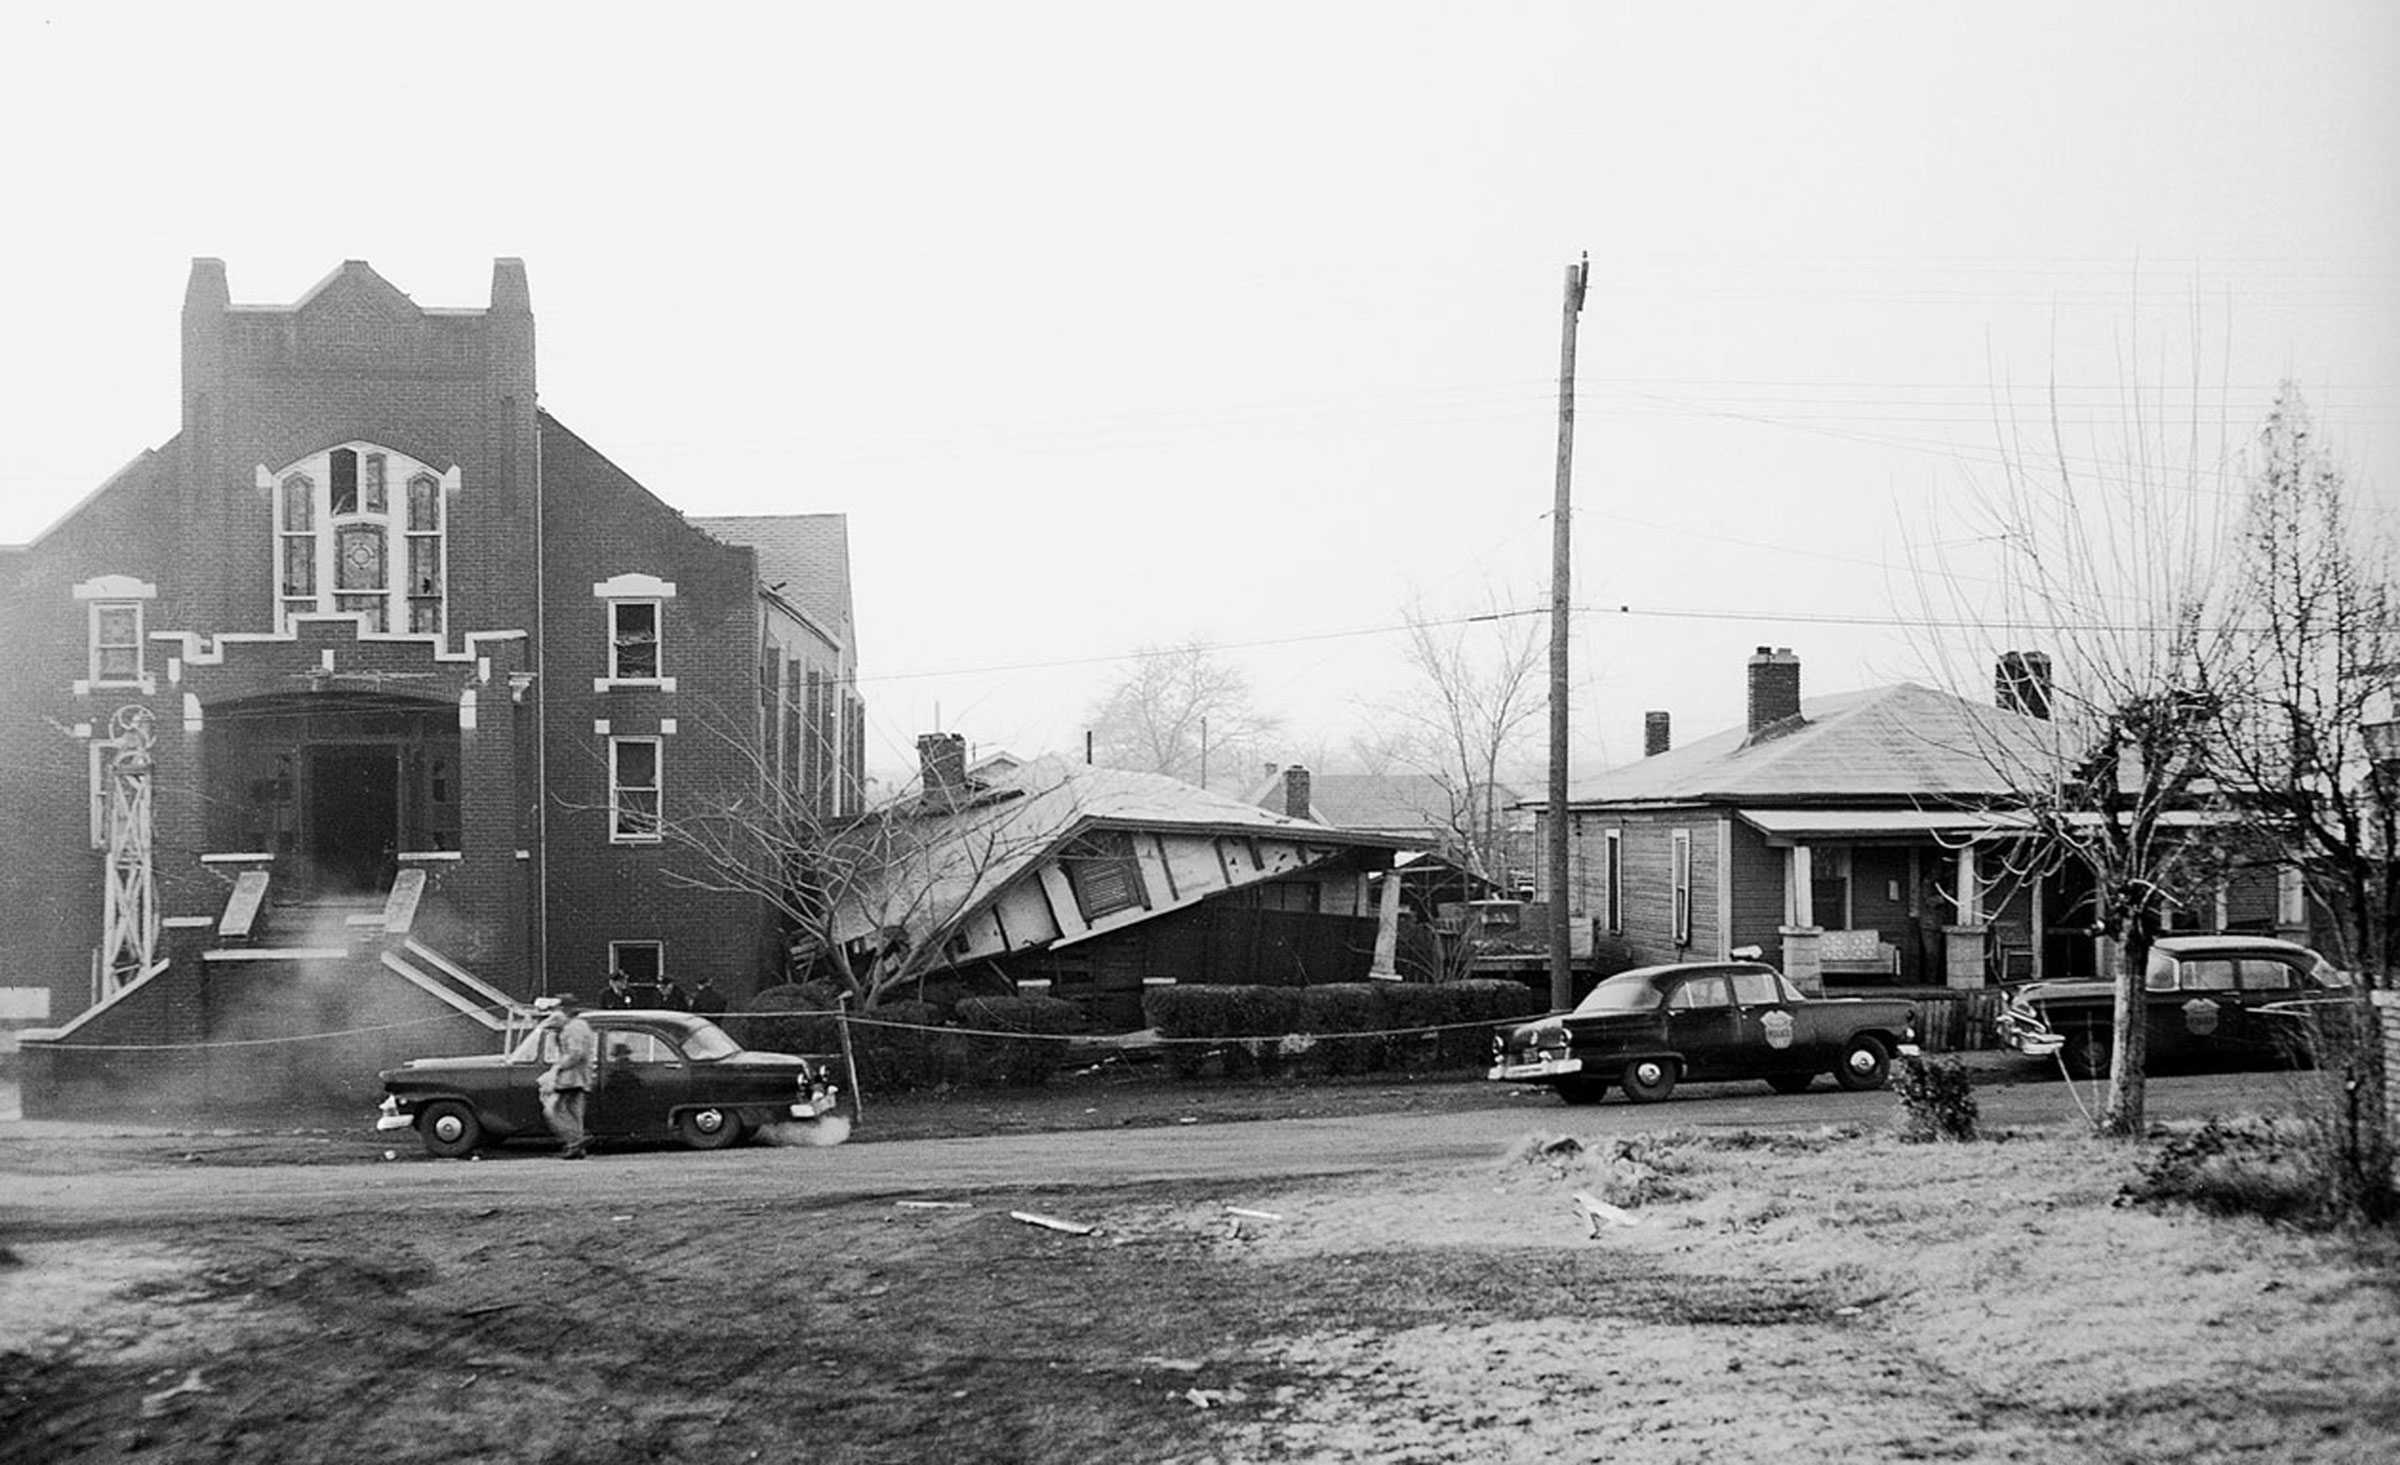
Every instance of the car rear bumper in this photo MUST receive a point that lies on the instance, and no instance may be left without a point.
(2030, 1036)
(1547, 1068)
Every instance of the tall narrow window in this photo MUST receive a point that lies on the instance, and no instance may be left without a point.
(372, 500)
(424, 540)
(633, 790)
(296, 545)
(1682, 847)
(1612, 847)
(633, 640)
(343, 471)
(117, 643)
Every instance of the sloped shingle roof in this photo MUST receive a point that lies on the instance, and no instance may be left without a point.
(1397, 802)
(941, 868)
(1897, 743)
(805, 558)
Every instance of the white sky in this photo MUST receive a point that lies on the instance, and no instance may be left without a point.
(1107, 326)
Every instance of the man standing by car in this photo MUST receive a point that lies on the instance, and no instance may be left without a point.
(575, 1052)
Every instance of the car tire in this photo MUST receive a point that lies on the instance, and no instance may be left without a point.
(1581, 1090)
(1648, 1080)
(1790, 1083)
(2088, 1052)
(710, 1128)
(449, 1130)
(1865, 1063)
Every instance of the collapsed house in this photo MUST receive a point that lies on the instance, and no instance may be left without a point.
(1095, 884)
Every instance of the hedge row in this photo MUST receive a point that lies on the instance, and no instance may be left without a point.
(905, 1054)
(1339, 1027)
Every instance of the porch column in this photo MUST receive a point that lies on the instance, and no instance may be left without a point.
(1802, 961)
(1387, 931)
(1963, 943)
(2291, 909)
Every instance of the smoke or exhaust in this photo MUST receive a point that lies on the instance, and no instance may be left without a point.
(819, 1134)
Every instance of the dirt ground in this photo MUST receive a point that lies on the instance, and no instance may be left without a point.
(1793, 1296)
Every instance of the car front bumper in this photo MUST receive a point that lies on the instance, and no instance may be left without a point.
(389, 1117)
(1537, 1071)
(2030, 1036)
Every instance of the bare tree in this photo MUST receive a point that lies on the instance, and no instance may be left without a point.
(2306, 747)
(856, 892)
(1182, 711)
(2108, 556)
(2309, 688)
(1475, 694)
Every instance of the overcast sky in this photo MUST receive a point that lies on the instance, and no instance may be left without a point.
(1113, 325)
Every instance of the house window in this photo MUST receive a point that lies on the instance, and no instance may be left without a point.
(117, 643)
(1612, 846)
(1682, 860)
(344, 475)
(633, 790)
(642, 962)
(633, 640)
(1105, 875)
(359, 575)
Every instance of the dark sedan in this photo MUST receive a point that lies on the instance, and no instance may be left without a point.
(1649, 1028)
(2205, 998)
(661, 1075)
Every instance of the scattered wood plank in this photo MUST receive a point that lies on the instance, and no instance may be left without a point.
(1597, 1212)
(1251, 1214)
(1053, 1223)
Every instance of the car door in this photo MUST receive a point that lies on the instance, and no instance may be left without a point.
(1702, 1025)
(643, 1080)
(2202, 1015)
(1768, 1036)
(2269, 982)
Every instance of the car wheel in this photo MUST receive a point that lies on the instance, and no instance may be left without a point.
(1865, 1063)
(709, 1129)
(1790, 1083)
(1648, 1080)
(449, 1129)
(1581, 1090)
(2087, 1052)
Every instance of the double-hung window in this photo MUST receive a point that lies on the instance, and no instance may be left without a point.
(116, 643)
(633, 640)
(633, 790)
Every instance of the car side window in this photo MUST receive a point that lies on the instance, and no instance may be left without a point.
(639, 1047)
(2208, 976)
(1698, 992)
(2263, 974)
(2159, 976)
(1755, 989)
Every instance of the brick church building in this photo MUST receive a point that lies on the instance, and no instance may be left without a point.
(364, 706)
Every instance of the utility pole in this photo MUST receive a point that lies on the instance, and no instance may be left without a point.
(1562, 946)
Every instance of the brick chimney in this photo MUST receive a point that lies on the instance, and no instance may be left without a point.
(1656, 738)
(1296, 792)
(1774, 687)
(942, 758)
(2021, 682)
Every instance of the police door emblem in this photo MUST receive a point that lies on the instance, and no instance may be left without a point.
(1779, 1029)
(2200, 1017)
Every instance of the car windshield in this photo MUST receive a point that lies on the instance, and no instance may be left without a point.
(1630, 992)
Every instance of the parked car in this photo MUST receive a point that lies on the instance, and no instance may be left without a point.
(2206, 997)
(1649, 1028)
(661, 1075)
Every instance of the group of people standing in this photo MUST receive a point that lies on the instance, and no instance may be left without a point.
(622, 991)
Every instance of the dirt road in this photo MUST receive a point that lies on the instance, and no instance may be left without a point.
(1398, 1289)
